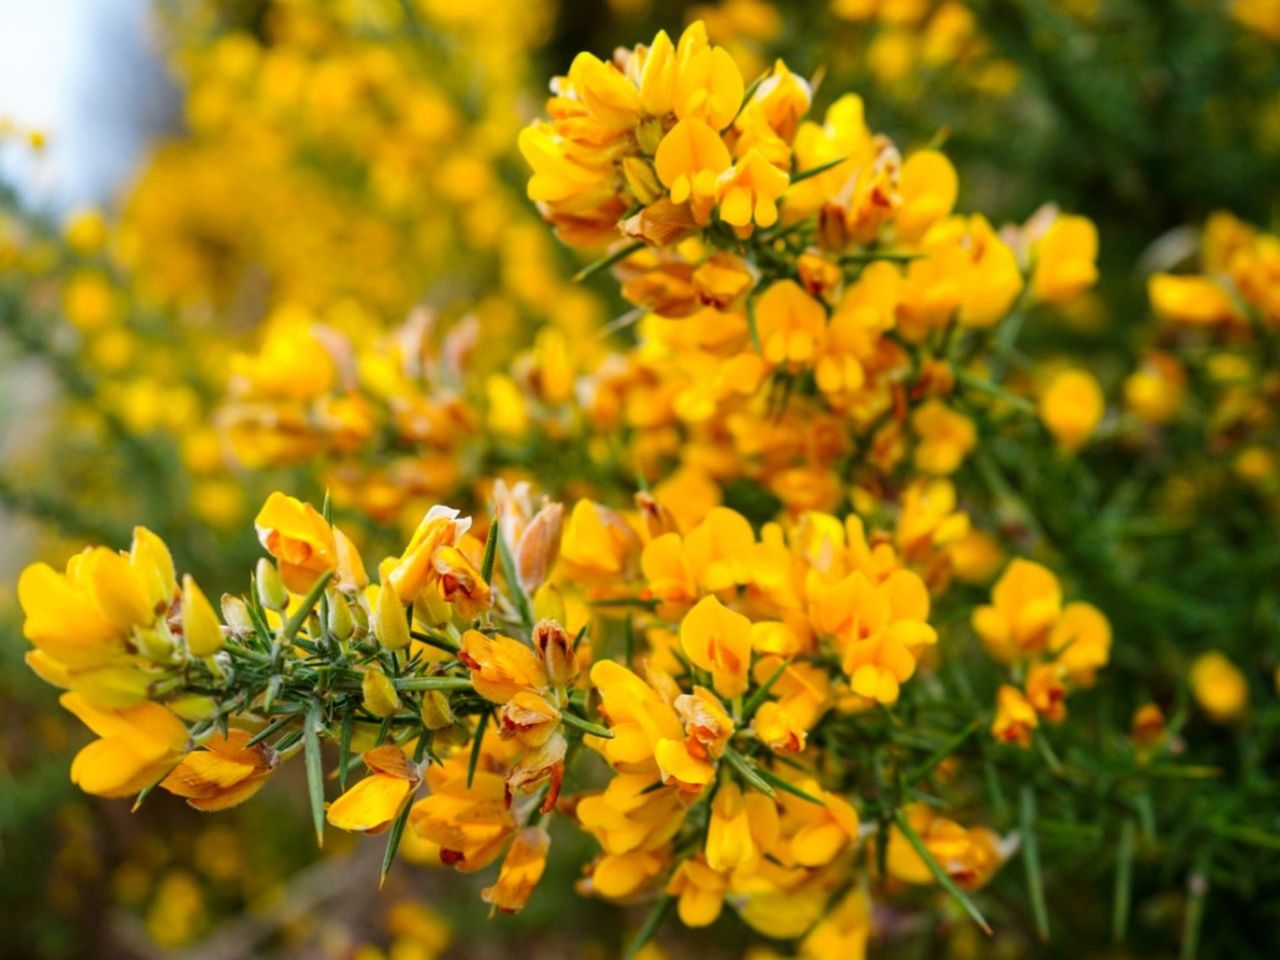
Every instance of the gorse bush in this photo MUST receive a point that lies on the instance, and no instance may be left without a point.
(831, 585)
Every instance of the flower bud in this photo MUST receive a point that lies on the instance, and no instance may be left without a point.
(436, 712)
(555, 646)
(389, 623)
(199, 622)
(649, 134)
(271, 592)
(657, 518)
(539, 547)
(235, 612)
(341, 623)
(193, 707)
(360, 615)
(642, 179)
(155, 643)
(380, 697)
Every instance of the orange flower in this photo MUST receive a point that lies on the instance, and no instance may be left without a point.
(1015, 717)
(222, 774)
(374, 803)
(471, 825)
(500, 666)
(521, 871)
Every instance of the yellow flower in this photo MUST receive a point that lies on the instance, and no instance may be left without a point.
(82, 621)
(1155, 391)
(1066, 260)
(689, 162)
(700, 890)
(635, 812)
(1047, 691)
(928, 186)
(225, 772)
(597, 543)
(779, 102)
(138, 746)
(299, 538)
(1197, 301)
(415, 569)
(749, 193)
(378, 692)
(741, 830)
(292, 363)
(813, 835)
(975, 557)
(969, 856)
(718, 551)
(471, 825)
(1026, 603)
(613, 100)
(85, 231)
(707, 725)
(648, 736)
(1219, 687)
(64, 618)
(89, 300)
(708, 84)
(946, 437)
(778, 729)
(500, 666)
(529, 717)
(879, 629)
(200, 625)
(1015, 717)
(460, 583)
(1147, 728)
(623, 876)
(1071, 408)
(521, 870)
(843, 933)
(373, 804)
(1081, 641)
(718, 640)
(790, 324)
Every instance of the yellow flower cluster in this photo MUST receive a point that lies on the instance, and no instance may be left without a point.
(737, 682)
(1221, 328)
(441, 678)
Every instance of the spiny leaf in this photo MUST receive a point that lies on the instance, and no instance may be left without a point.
(344, 749)
(748, 771)
(513, 584)
(943, 878)
(1197, 890)
(1124, 883)
(475, 748)
(268, 731)
(431, 683)
(586, 726)
(308, 604)
(786, 786)
(755, 701)
(814, 171)
(490, 547)
(604, 263)
(1031, 857)
(315, 773)
(882, 256)
(944, 751)
(393, 843)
